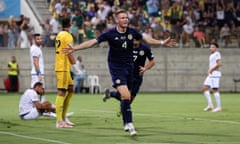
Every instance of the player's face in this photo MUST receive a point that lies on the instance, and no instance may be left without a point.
(122, 20)
(136, 43)
(38, 40)
(213, 48)
(39, 90)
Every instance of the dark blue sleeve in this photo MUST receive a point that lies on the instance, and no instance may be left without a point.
(137, 35)
(103, 37)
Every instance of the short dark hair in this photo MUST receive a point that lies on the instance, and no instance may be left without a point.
(37, 84)
(66, 22)
(214, 43)
(36, 35)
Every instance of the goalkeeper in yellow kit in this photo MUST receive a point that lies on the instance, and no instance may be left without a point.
(63, 65)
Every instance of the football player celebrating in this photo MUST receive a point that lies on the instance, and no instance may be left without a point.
(120, 61)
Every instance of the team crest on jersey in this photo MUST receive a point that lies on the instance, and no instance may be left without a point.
(141, 53)
(130, 37)
(118, 81)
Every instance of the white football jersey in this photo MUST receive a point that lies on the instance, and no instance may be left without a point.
(27, 101)
(213, 58)
(36, 51)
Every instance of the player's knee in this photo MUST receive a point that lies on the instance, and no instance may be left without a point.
(204, 88)
(70, 89)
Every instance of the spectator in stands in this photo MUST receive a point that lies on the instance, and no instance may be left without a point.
(202, 13)
(12, 33)
(158, 29)
(152, 7)
(79, 18)
(59, 6)
(215, 33)
(237, 14)
(187, 33)
(74, 31)
(110, 22)
(64, 13)
(176, 31)
(152, 22)
(95, 20)
(136, 19)
(229, 13)
(103, 10)
(175, 13)
(130, 13)
(24, 38)
(165, 4)
(220, 16)
(79, 75)
(101, 26)
(88, 28)
(91, 12)
(199, 36)
(52, 5)
(125, 5)
(19, 23)
(54, 27)
(13, 72)
(148, 32)
(140, 27)
(225, 34)
(46, 41)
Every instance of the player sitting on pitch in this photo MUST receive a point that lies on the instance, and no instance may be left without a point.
(30, 107)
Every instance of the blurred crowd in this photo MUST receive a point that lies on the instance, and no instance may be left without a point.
(193, 23)
(19, 32)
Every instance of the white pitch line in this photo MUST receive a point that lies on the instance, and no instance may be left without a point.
(169, 116)
(187, 142)
(34, 138)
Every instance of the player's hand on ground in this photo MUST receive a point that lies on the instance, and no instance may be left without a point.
(68, 50)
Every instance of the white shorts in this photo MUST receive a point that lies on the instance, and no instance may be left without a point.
(33, 114)
(212, 82)
(35, 79)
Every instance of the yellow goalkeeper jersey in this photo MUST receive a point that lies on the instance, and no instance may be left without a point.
(62, 62)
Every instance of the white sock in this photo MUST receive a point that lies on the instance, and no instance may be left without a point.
(130, 125)
(49, 114)
(218, 100)
(208, 97)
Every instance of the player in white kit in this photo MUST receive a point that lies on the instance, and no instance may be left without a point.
(212, 81)
(37, 63)
(30, 107)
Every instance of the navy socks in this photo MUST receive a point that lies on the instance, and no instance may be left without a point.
(126, 111)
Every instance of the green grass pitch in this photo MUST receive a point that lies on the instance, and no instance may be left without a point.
(159, 118)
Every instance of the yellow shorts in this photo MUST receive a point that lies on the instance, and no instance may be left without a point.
(64, 79)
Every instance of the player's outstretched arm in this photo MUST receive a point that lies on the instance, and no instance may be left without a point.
(84, 45)
(167, 42)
